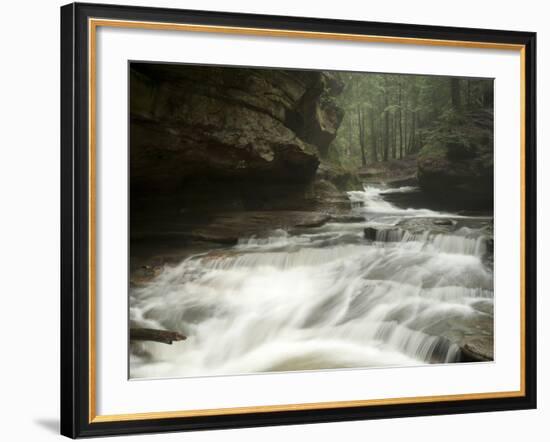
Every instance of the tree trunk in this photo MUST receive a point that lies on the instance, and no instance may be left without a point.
(394, 138)
(373, 136)
(361, 121)
(413, 133)
(405, 132)
(350, 135)
(386, 126)
(400, 123)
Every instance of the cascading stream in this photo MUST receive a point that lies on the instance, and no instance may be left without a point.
(321, 298)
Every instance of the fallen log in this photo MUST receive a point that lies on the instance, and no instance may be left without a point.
(150, 334)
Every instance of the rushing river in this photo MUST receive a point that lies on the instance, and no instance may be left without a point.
(322, 298)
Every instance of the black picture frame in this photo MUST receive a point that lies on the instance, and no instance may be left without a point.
(75, 219)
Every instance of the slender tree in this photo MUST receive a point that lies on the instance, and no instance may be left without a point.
(386, 121)
(361, 123)
(388, 116)
(373, 136)
(400, 117)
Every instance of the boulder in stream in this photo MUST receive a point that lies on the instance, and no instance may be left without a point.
(479, 349)
(383, 235)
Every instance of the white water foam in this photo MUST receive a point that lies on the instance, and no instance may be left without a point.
(321, 299)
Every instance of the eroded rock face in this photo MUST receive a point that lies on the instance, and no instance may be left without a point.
(228, 125)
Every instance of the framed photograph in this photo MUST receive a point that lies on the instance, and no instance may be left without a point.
(280, 220)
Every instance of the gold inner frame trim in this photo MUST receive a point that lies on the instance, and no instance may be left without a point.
(93, 24)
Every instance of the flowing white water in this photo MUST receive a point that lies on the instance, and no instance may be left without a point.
(318, 299)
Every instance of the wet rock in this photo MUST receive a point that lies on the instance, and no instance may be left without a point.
(441, 350)
(477, 350)
(347, 218)
(383, 235)
(227, 228)
(433, 225)
(343, 179)
(313, 220)
(484, 306)
(444, 222)
(489, 255)
(370, 233)
(145, 274)
(225, 238)
(473, 334)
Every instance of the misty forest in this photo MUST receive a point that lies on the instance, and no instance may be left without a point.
(287, 220)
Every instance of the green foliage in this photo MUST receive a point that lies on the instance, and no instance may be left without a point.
(460, 135)
(389, 116)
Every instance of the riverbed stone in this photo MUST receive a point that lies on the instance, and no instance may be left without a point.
(479, 349)
(370, 233)
(444, 222)
(227, 228)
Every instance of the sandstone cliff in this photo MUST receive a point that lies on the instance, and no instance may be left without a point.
(229, 128)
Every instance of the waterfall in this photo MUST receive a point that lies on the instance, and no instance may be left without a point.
(319, 298)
